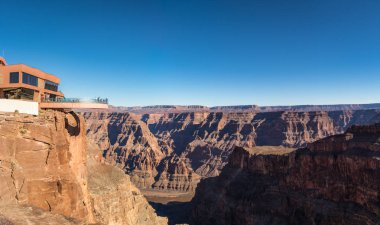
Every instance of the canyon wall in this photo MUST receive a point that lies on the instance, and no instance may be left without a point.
(172, 151)
(240, 108)
(43, 164)
(114, 198)
(335, 180)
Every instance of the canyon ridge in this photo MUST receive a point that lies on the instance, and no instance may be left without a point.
(173, 151)
(335, 180)
(105, 167)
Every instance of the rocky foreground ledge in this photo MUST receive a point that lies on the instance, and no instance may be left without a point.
(49, 174)
(335, 180)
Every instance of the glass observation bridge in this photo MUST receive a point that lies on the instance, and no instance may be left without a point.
(76, 100)
(74, 103)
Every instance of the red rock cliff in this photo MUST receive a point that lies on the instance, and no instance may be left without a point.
(333, 181)
(171, 151)
(43, 164)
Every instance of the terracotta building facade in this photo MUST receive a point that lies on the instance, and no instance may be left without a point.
(23, 82)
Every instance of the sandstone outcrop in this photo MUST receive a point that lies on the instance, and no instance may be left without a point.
(171, 151)
(114, 198)
(43, 163)
(21, 215)
(335, 180)
(44, 176)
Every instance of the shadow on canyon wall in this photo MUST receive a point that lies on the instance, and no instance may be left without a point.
(176, 212)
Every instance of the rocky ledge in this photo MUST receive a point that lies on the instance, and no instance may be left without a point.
(335, 180)
(45, 178)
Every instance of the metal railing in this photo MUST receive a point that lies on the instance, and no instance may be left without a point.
(77, 100)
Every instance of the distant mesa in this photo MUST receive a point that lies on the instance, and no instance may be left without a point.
(240, 108)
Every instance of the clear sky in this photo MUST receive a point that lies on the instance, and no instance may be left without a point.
(207, 52)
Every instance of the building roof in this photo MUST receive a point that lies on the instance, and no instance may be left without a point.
(28, 69)
(34, 71)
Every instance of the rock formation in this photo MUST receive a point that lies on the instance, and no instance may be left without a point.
(172, 151)
(240, 108)
(114, 198)
(128, 143)
(43, 164)
(335, 180)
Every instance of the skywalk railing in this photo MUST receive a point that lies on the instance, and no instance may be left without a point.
(77, 100)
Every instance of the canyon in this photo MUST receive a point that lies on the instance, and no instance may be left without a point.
(240, 108)
(50, 174)
(172, 152)
(335, 180)
(282, 167)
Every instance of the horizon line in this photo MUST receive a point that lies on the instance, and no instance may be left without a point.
(297, 105)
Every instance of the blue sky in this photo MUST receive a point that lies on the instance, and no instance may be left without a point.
(206, 52)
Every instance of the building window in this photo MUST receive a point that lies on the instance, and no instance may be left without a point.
(29, 79)
(13, 77)
(51, 86)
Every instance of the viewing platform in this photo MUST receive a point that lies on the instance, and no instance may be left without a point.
(26, 90)
(74, 103)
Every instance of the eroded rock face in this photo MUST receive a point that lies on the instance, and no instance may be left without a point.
(171, 151)
(43, 166)
(335, 180)
(242, 108)
(114, 198)
(150, 162)
(175, 175)
(21, 215)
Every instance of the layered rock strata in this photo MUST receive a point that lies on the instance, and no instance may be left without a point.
(241, 108)
(114, 198)
(201, 142)
(335, 180)
(43, 164)
(150, 162)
